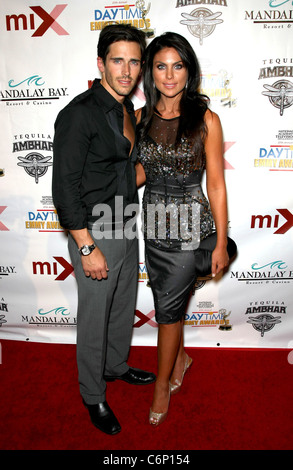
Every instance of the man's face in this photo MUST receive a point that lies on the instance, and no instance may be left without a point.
(121, 68)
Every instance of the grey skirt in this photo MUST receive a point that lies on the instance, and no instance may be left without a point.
(172, 275)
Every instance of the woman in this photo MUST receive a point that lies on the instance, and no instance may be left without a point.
(178, 137)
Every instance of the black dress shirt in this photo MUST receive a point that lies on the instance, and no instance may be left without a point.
(91, 162)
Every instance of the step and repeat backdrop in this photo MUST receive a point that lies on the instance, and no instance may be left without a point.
(245, 48)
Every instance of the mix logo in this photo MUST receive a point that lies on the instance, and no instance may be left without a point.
(27, 21)
(3, 227)
(45, 268)
(273, 221)
(145, 319)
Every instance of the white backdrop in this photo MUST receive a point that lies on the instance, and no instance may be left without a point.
(48, 55)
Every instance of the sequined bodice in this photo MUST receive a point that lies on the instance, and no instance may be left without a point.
(173, 182)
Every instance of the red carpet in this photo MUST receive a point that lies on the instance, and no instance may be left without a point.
(231, 400)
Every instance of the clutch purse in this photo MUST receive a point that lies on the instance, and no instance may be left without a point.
(203, 254)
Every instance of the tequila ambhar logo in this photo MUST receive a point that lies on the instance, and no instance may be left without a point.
(280, 92)
(3, 308)
(201, 22)
(34, 163)
(265, 321)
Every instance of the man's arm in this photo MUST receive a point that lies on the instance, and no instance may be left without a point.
(71, 144)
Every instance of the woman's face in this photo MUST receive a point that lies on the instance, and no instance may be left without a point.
(169, 72)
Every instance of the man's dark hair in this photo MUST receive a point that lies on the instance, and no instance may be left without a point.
(119, 32)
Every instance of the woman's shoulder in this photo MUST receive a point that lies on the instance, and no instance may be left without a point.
(211, 118)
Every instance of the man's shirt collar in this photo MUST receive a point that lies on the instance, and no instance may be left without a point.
(107, 101)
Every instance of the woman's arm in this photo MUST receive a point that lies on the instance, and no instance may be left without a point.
(140, 175)
(216, 189)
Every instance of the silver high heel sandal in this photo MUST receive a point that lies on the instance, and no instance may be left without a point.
(157, 418)
(175, 388)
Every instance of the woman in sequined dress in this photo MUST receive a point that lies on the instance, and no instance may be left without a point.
(179, 137)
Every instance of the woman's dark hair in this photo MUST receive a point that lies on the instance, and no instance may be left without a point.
(119, 32)
(193, 104)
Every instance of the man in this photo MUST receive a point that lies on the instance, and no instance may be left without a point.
(94, 166)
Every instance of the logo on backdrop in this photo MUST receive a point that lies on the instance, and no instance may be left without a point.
(133, 14)
(30, 91)
(273, 221)
(7, 271)
(3, 308)
(34, 148)
(59, 316)
(143, 274)
(275, 158)
(145, 318)
(46, 268)
(43, 221)
(280, 94)
(279, 90)
(218, 86)
(206, 316)
(201, 22)
(272, 19)
(3, 227)
(28, 21)
(273, 272)
(265, 321)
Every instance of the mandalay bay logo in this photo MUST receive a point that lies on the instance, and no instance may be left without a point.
(59, 316)
(274, 272)
(30, 91)
(276, 17)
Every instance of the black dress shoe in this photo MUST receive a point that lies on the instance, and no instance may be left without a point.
(134, 377)
(103, 417)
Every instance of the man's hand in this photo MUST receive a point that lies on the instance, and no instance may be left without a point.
(95, 265)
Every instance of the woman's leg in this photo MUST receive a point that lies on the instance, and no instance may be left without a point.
(180, 359)
(169, 338)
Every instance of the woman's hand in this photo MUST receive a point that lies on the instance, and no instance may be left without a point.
(220, 260)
